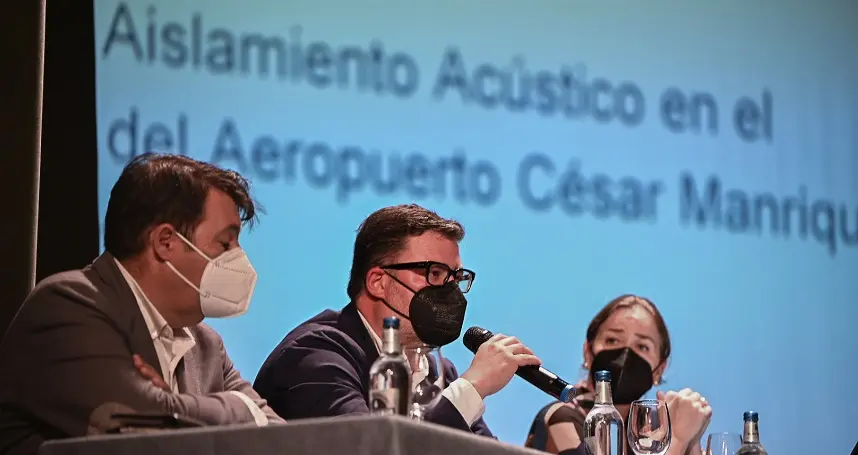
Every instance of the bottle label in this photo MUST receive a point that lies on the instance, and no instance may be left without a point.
(383, 402)
(752, 433)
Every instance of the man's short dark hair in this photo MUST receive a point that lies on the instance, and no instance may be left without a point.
(384, 233)
(160, 188)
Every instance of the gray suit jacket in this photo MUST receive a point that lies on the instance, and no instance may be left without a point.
(67, 354)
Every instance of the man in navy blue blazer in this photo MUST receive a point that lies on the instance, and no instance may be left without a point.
(406, 263)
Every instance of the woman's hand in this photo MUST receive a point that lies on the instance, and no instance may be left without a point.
(690, 414)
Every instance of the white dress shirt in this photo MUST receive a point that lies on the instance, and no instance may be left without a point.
(460, 392)
(172, 344)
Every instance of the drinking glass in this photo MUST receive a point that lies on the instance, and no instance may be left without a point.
(427, 377)
(723, 443)
(648, 427)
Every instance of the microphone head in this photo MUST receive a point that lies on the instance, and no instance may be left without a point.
(476, 336)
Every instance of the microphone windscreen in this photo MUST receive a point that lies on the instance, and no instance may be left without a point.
(476, 336)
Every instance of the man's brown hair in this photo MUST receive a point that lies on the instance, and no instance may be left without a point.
(156, 188)
(383, 234)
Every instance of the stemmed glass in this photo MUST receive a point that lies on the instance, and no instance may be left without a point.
(427, 377)
(649, 427)
(723, 443)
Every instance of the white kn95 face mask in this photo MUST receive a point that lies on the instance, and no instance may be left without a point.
(227, 283)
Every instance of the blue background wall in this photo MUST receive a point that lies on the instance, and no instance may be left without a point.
(476, 112)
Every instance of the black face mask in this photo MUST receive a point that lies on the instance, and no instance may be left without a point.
(631, 375)
(437, 313)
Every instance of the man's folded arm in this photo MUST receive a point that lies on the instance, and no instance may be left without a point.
(70, 358)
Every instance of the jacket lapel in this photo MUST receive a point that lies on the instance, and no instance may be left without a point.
(186, 374)
(122, 300)
(351, 324)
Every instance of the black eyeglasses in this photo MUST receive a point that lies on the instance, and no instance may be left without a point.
(438, 274)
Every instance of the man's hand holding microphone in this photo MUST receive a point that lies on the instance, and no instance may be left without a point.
(496, 362)
(498, 357)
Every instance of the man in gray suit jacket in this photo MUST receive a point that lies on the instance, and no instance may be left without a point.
(126, 332)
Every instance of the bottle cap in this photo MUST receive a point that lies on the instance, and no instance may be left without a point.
(751, 416)
(391, 323)
(603, 376)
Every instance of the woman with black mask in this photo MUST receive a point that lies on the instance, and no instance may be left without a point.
(629, 338)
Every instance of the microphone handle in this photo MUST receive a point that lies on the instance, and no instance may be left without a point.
(548, 382)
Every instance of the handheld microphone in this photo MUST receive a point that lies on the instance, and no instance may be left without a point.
(543, 379)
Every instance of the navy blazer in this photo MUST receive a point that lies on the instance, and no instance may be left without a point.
(321, 369)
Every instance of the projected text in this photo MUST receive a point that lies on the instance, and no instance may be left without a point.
(193, 44)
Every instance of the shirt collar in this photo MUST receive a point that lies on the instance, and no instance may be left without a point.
(375, 338)
(417, 374)
(155, 322)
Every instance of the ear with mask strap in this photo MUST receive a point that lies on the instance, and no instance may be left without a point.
(388, 305)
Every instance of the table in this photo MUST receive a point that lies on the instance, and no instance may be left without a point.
(357, 435)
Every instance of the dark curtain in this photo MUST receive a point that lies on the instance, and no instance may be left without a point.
(22, 27)
(49, 144)
(68, 200)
